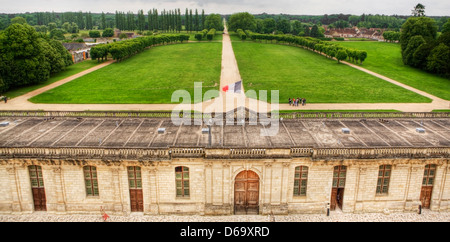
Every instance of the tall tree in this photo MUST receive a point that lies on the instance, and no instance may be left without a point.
(186, 20)
(150, 20)
(419, 10)
(22, 57)
(244, 21)
(80, 20)
(191, 21)
(179, 21)
(197, 21)
(203, 20)
(103, 21)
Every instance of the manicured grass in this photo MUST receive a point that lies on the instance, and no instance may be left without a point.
(386, 59)
(296, 72)
(71, 70)
(148, 78)
(442, 110)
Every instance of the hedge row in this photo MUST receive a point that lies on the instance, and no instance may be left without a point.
(201, 35)
(126, 48)
(326, 48)
(210, 35)
(242, 35)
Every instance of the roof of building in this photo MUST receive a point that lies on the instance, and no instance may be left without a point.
(112, 132)
(74, 46)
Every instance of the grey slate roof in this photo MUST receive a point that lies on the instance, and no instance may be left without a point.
(142, 133)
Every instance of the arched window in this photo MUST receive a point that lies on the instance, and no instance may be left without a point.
(90, 180)
(384, 176)
(300, 180)
(182, 181)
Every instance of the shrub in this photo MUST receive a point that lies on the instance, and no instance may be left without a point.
(211, 34)
(198, 37)
(108, 32)
(94, 34)
(241, 34)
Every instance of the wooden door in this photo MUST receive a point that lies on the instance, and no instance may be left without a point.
(427, 185)
(37, 188)
(135, 183)
(337, 192)
(246, 193)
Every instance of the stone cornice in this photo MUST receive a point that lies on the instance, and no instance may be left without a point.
(76, 154)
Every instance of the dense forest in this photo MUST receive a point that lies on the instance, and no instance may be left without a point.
(146, 20)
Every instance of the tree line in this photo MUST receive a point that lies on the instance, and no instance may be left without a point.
(247, 21)
(28, 57)
(326, 48)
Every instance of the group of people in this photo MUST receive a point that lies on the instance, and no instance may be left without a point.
(297, 101)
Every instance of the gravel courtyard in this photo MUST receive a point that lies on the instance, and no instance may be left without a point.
(337, 216)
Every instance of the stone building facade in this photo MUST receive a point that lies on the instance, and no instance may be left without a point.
(38, 174)
(212, 185)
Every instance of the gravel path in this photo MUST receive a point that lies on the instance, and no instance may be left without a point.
(426, 216)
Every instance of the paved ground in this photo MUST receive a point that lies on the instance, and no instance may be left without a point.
(337, 216)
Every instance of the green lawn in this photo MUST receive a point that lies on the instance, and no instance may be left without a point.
(296, 72)
(386, 59)
(71, 70)
(148, 78)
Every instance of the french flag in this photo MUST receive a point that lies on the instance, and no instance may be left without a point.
(235, 87)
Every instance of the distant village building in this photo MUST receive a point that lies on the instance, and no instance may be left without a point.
(79, 51)
(71, 162)
(355, 32)
(118, 32)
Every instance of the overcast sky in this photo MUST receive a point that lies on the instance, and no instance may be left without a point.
(300, 7)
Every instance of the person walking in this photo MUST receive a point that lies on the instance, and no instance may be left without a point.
(6, 99)
(290, 101)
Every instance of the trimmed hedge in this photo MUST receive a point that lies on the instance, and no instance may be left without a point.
(242, 35)
(211, 34)
(123, 49)
(326, 48)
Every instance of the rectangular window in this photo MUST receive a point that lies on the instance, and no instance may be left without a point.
(339, 176)
(428, 176)
(182, 181)
(300, 180)
(36, 178)
(134, 177)
(90, 179)
(384, 176)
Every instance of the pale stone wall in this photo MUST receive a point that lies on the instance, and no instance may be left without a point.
(212, 186)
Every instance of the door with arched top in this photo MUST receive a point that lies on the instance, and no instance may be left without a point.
(246, 193)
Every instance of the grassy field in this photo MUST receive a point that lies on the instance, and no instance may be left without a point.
(296, 72)
(71, 70)
(148, 78)
(386, 59)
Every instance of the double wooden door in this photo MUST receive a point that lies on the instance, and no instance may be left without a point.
(37, 188)
(427, 185)
(246, 193)
(337, 192)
